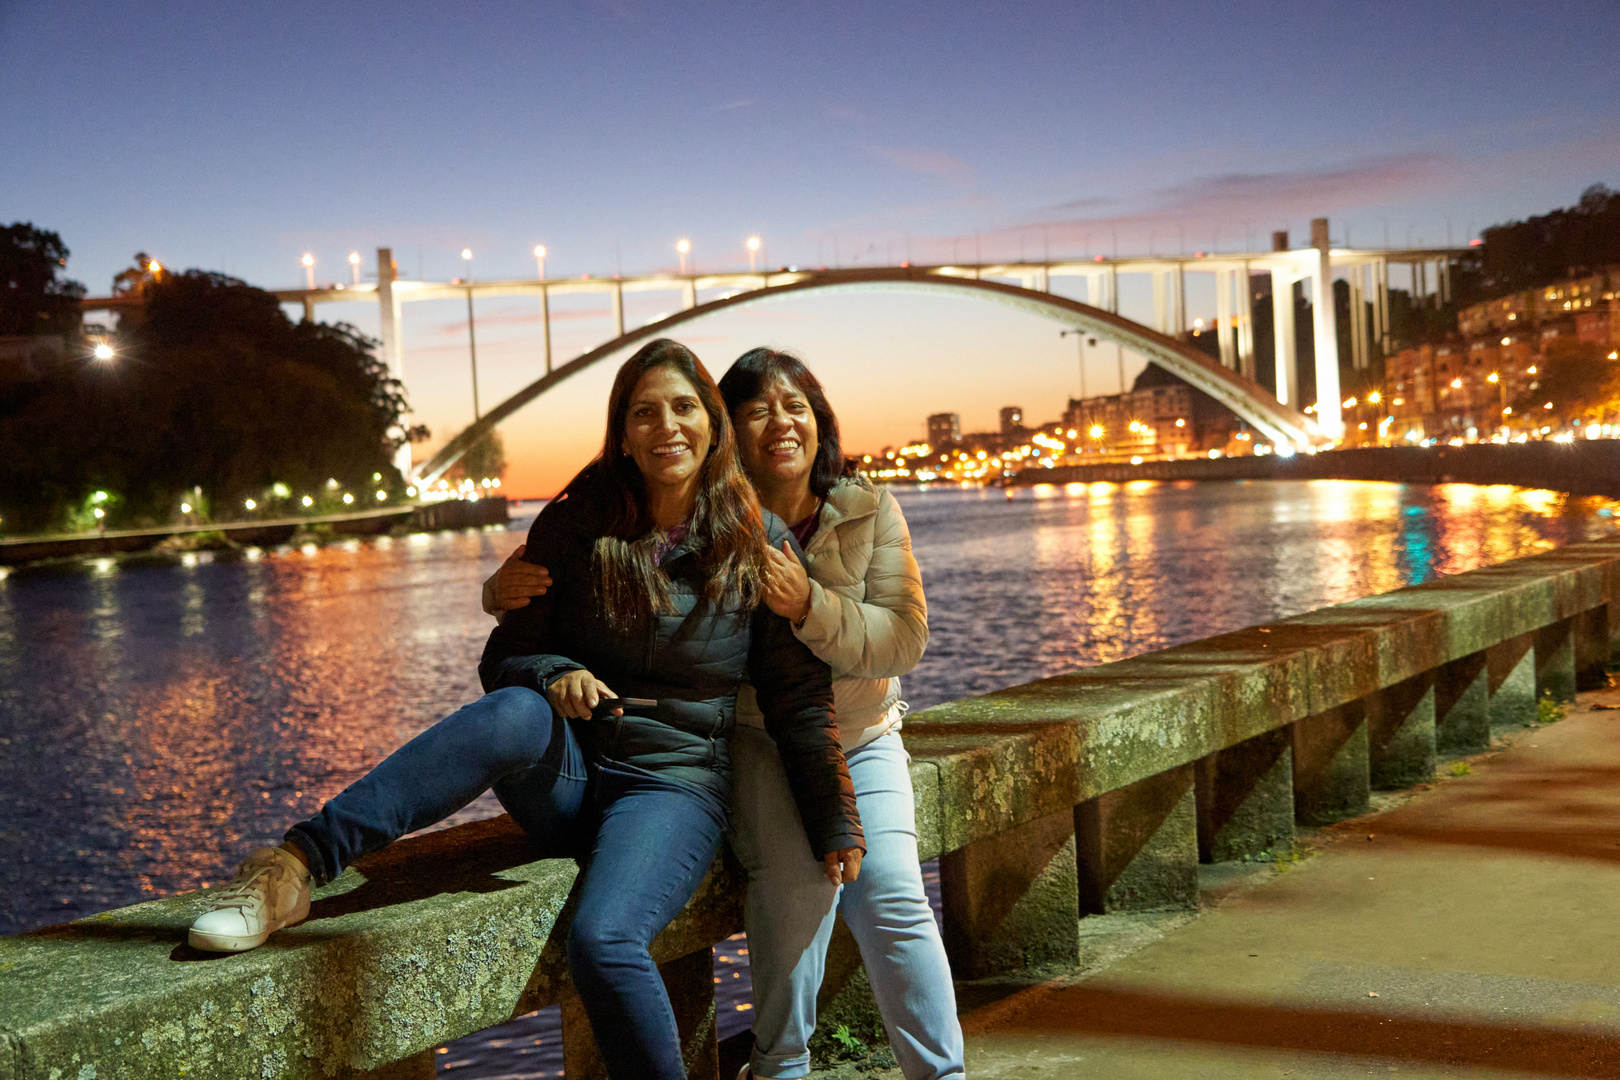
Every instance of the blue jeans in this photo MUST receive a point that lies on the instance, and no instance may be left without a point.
(644, 845)
(791, 905)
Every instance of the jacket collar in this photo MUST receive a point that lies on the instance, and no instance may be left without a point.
(850, 500)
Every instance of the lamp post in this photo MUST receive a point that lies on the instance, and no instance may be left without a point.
(545, 302)
(354, 265)
(309, 270)
(682, 246)
(1080, 339)
(472, 340)
(753, 252)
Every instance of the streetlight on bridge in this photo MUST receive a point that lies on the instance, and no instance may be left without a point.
(683, 245)
(309, 270)
(545, 302)
(354, 265)
(753, 252)
(472, 340)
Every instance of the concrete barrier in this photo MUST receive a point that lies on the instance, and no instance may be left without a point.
(1097, 791)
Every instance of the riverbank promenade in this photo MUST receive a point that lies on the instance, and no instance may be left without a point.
(1470, 928)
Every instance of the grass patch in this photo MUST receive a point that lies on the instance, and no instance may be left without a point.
(1549, 711)
(1461, 768)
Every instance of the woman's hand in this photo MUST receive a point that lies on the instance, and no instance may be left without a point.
(514, 584)
(575, 694)
(787, 586)
(843, 865)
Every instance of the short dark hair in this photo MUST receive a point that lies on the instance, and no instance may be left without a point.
(746, 380)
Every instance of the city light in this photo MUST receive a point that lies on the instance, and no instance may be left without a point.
(309, 269)
(381, 495)
(1349, 403)
(1375, 397)
(307, 501)
(683, 246)
(348, 500)
(1456, 384)
(102, 351)
(250, 504)
(354, 265)
(753, 252)
(1097, 431)
(185, 508)
(1493, 377)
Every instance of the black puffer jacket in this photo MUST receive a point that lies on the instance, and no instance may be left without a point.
(691, 662)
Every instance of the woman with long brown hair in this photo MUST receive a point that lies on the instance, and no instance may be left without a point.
(661, 549)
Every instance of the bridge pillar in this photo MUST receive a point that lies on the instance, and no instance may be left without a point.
(1223, 318)
(1381, 288)
(1328, 413)
(1282, 329)
(390, 333)
(689, 294)
(1330, 765)
(1245, 324)
(618, 309)
(1358, 319)
(1178, 302)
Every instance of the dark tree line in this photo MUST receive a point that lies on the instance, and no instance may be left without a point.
(212, 387)
(1568, 242)
(34, 298)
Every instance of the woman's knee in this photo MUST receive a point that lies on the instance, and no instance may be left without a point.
(515, 726)
(594, 943)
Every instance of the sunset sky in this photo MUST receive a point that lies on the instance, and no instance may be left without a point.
(236, 137)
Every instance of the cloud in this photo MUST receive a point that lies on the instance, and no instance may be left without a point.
(730, 106)
(928, 162)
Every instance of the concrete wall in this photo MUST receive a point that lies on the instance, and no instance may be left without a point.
(1096, 791)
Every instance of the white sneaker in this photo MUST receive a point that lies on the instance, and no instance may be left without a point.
(270, 891)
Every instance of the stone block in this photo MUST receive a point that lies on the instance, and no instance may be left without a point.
(1137, 847)
(1330, 765)
(1614, 632)
(690, 984)
(1401, 733)
(1245, 797)
(1591, 632)
(1462, 706)
(1512, 682)
(1010, 902)
(1555, 661)
(423, 1066)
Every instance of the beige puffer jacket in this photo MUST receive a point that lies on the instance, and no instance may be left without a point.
(868, 619)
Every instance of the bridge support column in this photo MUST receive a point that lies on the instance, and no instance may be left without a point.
(1358, 320)
(1138, 847)
(1401, 734)
(1161, 319)
(1330, 765)
(391, 334)
(1245, 323)
(1010, 902)
(689, 295)
(1245, 799)
(1327, 334)
(690, 983)
(1381, 286)
(1223, 318)
(1178, 302)
(1282, 329)
(1511, 680)
(1555, 661)
(618, 309)
(1462, 706)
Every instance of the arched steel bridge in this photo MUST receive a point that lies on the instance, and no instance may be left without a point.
(1282, 425)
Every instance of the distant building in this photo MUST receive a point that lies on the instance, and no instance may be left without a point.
(1155, 420)
(1560, 300)
(944, 429)
(1012, 420)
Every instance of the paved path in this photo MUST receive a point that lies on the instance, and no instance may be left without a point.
(1470, 929)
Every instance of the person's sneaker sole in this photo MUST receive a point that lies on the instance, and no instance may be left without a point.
(233, 943)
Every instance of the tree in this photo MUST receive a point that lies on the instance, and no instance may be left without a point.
(484, 460)
(33, 298)
(214, 387)
(1563, 243)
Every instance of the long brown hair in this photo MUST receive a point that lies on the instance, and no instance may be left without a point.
(725, 529)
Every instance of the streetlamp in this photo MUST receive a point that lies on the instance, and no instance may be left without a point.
(472, 340)
(753, 252)
(1080, 340)
(309, 270)
(545, 302)
(683, 245)
(354, 265)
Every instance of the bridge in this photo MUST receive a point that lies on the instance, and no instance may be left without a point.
(1232, 379)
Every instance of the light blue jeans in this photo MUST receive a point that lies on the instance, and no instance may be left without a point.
(791, 908)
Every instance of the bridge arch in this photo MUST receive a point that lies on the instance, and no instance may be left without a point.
(1283, 426)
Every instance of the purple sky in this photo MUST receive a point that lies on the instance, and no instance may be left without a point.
(236, 137)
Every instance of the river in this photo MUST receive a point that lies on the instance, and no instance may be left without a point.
(161, 716)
